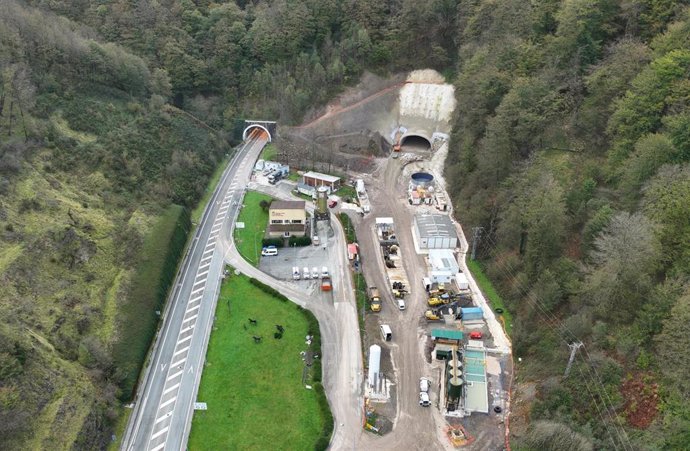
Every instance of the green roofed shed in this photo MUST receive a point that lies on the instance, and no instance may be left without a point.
(454, 336)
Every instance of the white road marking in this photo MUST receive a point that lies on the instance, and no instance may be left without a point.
(188, 328)
(198, 276)
(207, 253)
(181, 351)
(173, 377)
(169, 401)
(179, 362)
(213, 236)
(159, 447)
(206, 260)
(161, 432)
(168, 390)
(210, 246)
(202, 267)
(197, 290)
(164, 417)
(198, 284)
(184, 339)
(163, 365)
(189, 319)
(196, 307)
(195, 298)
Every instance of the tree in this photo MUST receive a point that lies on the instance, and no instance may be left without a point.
(672, 345)
(625, 256)
(651, 152)
(667, 201)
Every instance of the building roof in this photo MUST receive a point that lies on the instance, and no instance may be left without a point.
(352, 248)
(442, 259)
(476, 394)
(286, 227)
(447, 334)
(320, 176)
(434, 226)
(287, 205)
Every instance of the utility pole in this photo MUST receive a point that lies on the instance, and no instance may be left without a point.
(477, 231)
(573, 349)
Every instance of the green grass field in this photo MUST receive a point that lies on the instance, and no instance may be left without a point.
(269, 153)
(490, 292)
(254, 392)
(255, 221)
(212, 184)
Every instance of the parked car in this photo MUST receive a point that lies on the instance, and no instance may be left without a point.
(401, 304)
(315, 273)
(305, 273)
(315, 240)
(424, 399)
(269, 251)
(476, 335)
(324, 272)
(332, 203)
(295, 273)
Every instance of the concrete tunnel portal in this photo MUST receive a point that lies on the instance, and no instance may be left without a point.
(247, 131)
(418, 142)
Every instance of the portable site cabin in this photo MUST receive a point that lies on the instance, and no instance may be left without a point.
(472, 313)
(451, 337)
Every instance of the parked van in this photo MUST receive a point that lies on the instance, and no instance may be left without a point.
(386, 332)
(324, 272)
(270, 251)
(315, 240)
(315, 273)
(305, 273)
(424, 384)
(295, 273)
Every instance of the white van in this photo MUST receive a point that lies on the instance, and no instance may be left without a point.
(386, 332)
(324, 272)
(424, 384)
(270, 251)
(315, 240)
(305, 273)
(315, 273)
(295, 272)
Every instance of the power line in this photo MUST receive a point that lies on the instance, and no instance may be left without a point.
(561, 330)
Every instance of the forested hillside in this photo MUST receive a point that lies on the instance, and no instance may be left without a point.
(571, 149)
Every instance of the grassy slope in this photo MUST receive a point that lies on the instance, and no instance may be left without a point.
(491, 294)
(255, 221)
(255, 396)
(161, 250)
(212, 184)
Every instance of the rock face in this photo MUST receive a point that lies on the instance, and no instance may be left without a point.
(365, 122)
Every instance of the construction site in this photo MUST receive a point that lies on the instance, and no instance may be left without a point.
(437, 360)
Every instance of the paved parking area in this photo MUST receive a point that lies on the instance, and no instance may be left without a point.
(312, 256)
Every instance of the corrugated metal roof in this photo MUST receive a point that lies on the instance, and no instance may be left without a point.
(447, 334)
(433, 226)
(320, 176)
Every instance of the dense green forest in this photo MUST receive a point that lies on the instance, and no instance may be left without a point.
(570, 148)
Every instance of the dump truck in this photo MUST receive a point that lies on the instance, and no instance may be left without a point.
(374, 299)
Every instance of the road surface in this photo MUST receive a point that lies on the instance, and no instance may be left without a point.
(163, 407)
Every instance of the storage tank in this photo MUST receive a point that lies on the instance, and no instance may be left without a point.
(374, 363)
(455, 387)
(321, 203)
(421, 179)
(454, 372)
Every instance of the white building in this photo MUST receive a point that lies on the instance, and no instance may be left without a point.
(434, 232)
(443, 266)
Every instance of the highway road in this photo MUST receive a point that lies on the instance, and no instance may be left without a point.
(164, 404)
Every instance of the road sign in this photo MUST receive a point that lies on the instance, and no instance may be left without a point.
(239, 225)
(200, 406)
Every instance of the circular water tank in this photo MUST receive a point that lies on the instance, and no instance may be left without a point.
(453, 364)
(422, 179)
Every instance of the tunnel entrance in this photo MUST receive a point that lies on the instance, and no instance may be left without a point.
(256, 128)
(415, 142)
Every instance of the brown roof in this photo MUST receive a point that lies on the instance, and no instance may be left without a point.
(286, 227)
(287, 205)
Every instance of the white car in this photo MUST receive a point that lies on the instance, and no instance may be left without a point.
(305, 273)
(295, 273)
(315, 273)
(401, 304)
(324, 272)
(424, 399)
